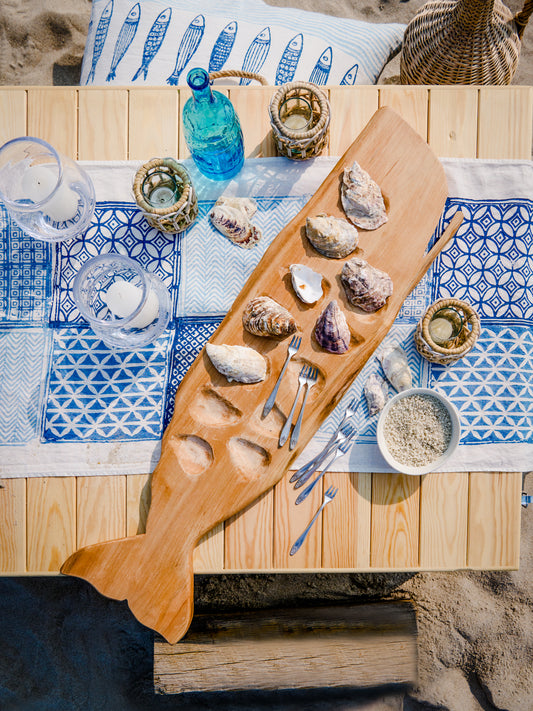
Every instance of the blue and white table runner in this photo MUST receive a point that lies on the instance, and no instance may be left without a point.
(69, 405)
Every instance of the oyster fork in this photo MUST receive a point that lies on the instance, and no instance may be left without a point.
(343, 448)
(307, 471)
(302, 379)
(311, 379)
(329, 495)
(293, 347)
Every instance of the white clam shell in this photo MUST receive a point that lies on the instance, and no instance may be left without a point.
(306, 283)
(396, 368)
(238, 363)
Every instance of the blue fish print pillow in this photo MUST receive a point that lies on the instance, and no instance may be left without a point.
(156, 42)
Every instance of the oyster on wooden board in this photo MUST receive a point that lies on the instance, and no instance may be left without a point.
(331, 329)
(306, 283)
(263, 316)
(331, 236)
(365, 286)
(375, 391)
(231, 216)
(396, 368)
(361, 199)
(238, 363)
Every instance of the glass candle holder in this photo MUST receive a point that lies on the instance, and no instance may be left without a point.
(126, 306)
(445, 326)
(160, 189)
(47, 194)
(296, 114)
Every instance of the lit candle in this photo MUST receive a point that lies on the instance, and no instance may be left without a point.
(123, 297)
(38, 182)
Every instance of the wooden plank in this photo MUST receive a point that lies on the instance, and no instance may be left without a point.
(153, 123)
(249, 536)
(411, 103)
(494, 520)
(342, 646)
(52, 116)
(395, 520)
(350, 112)
(138, 495)
(12, 114)
(251, 104)
(289, 522)
(103, 124)
(184, 94)
(346, 521)
(101, 510)
(51, 522)
(12, 525)
(208, 555)
(443, 521)
(453, 121)
(505, 122)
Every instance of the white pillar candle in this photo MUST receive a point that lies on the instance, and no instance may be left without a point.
(38, 182)
(123, 297)
(440, 329)
(296, 121)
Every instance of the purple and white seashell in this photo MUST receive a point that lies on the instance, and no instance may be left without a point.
(365, 286)
(331, 330)
(263, 316)
(231, 217)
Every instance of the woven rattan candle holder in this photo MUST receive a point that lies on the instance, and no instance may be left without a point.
(177, 216)
(300, 144)
(457, 347)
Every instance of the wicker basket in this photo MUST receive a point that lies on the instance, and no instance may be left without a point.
(295, 144)
(463, 42)
(177, 217)
(462, 344)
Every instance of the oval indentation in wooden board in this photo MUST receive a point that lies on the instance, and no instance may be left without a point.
(272, 424)
(212, 409)
(249, 458)
(194, 453)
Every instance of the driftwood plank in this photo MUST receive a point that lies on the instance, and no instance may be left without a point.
(340, 646)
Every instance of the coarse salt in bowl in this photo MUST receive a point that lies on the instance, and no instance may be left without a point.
(418, 435)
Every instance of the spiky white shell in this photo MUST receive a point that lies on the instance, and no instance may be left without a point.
(306, 283)
(238, 363)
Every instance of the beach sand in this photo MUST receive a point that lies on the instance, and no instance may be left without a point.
(66, 647)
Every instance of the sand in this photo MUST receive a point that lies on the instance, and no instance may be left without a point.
(63, 646)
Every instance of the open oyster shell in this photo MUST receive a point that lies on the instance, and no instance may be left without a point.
(375, 393)
(362, 199)
(306, 283)
(331, 236)
(238, 363)
(365, 286)
(263, 316)
(396, 368)
(231, 217)
(331, 330)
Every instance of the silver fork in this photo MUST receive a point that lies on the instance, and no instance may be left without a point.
(328, 496)
(311, 379)
(317, 460)
(302, 379)
(293, 347)
(343, 448)
(310, 469)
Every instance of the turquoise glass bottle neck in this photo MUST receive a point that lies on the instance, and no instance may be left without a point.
(198, 80)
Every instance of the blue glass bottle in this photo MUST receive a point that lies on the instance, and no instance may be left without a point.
(212, 129)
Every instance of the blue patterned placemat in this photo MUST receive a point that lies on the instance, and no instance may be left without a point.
(69, 404)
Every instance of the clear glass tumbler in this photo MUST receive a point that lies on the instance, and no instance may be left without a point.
(47, 194)
(126, 306)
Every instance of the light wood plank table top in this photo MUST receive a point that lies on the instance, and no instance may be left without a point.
(380, 522)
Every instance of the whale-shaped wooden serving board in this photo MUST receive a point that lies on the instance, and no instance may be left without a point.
(218, 454)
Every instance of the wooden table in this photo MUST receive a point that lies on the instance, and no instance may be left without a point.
(380, 522)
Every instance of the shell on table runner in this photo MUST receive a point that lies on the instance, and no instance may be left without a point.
(306, 283)
(375, 393)
(238, 363)
(331, 236)
(396, 368)
(361, 199)
(331, 329)
(230, 216)
(263, 316)
(365, 286)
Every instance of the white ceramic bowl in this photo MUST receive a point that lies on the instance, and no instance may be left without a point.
(435, 464)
